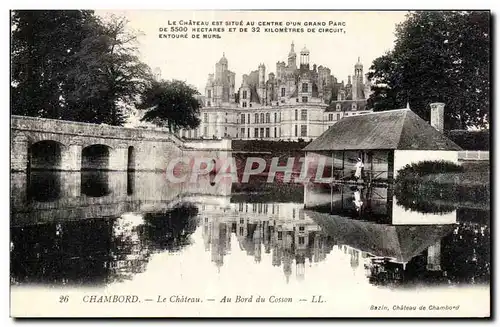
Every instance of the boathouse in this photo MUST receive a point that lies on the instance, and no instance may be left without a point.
(385, 142)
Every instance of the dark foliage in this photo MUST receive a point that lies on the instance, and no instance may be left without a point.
(171, 103)
(439, 56)
(471, 140)
(416, 170)
(70, 64)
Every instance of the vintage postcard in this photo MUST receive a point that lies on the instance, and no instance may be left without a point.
(263, 163)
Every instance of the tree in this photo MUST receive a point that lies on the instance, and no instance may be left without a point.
(108, 77)
(43, 44)
(171, 103)
(73, 65)
(437, 57)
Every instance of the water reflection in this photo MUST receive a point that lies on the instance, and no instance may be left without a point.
(104, 228)
(44, 186)
(374, 203)
(95, 183)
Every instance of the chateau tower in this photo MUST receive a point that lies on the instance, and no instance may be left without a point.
(357, 83)
(304, 57)
(292, 57)
(261, 89)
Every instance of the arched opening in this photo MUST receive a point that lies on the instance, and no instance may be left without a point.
(95, 157)
(45, 155)
(131, 158)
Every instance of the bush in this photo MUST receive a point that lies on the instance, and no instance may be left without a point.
(417, 170)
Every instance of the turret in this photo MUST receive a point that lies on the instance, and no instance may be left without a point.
(304, 56)
(292, 57)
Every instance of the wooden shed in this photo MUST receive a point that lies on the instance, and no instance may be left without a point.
(385, 141)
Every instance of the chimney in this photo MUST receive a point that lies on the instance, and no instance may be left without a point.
(437, 116)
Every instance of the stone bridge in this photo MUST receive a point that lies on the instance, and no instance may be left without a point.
(39, 143)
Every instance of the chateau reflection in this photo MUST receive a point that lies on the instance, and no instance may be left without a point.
(280, 230)
(387, 254)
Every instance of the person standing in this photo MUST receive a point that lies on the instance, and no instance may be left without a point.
(359, 168)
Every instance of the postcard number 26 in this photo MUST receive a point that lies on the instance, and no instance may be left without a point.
(63, 299)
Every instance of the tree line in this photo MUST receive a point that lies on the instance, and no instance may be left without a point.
(438, 56)
(75, 65)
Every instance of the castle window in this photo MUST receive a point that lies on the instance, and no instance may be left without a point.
(205, 131)
(256, 118)
(305, 87)
(262, 132)
(267, 132)
(268, 117)
(304, 99)
(205, 117)
(354, 106)
(250, 104)
(244, 104)
(301, 240)
(338, 107)
(209, 103)
(301, 228)
(275, 136)
(303, 115)
(242, 133)
(283, 91)
(338, 116)
(330, 117)
(280, 236)
(296, 114)
(296, 131)
(303, 130)
(209, 94)
(275, 117)
(244, 94)
(248, 118)
(243, 118)
(248, 133)
(262, 117)
(256, 132)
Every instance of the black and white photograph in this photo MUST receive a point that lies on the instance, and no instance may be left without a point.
(250, 163)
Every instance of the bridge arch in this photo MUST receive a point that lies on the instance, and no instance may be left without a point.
(45, 155)
(95, 157)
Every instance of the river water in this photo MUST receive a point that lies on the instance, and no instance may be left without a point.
(341, 251)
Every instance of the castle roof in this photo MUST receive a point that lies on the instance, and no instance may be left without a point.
(223, 60)
(389, 130)
(292, 51)
(358, 64)
(346, 105)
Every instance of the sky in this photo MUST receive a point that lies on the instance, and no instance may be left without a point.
(368, 35)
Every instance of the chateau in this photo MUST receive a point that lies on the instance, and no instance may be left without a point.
(298, 101)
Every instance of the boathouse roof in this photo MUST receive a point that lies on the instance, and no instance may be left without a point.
(401, 243)
(400, 129)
